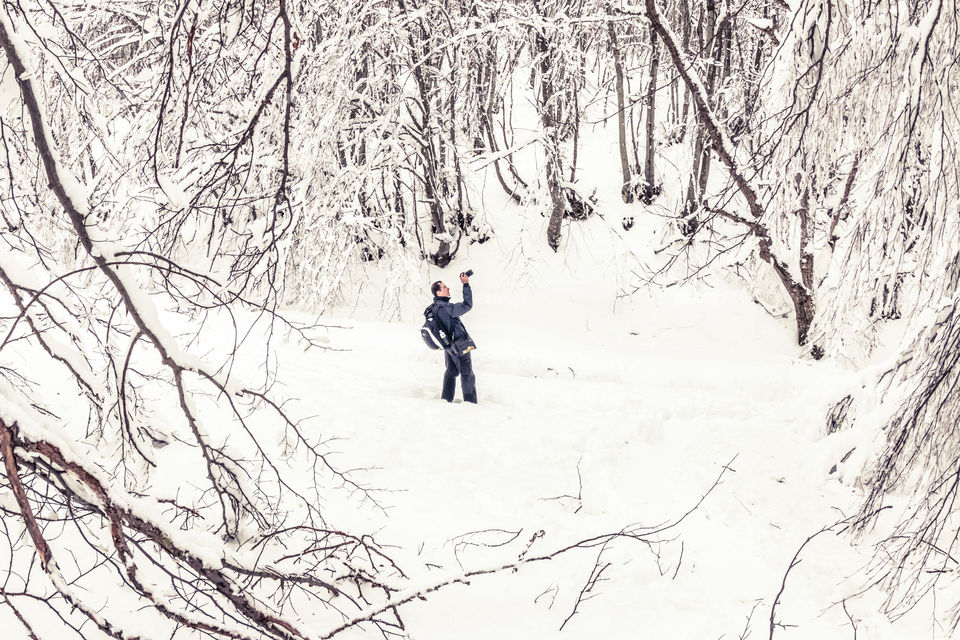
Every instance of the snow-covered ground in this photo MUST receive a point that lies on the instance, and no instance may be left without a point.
(685, 416)
(594, 417)
(597, 414)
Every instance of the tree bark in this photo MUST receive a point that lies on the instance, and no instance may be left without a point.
(430, 155)
(701, 155)
(488, 91)
(552, 149)
(16, 486)
(713, 61)
(548, 115)
(626, 192)
(806, 240)
(649, 190)
(554, 177)
(835, 215)
(685, 18)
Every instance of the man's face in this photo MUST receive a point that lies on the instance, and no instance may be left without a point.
(444, 291)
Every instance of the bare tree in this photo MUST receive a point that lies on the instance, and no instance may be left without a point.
(117, 314)
(553, 111)
(650, 188)
(620, 85)
(231, 546)
(921, 459)
(801, 297)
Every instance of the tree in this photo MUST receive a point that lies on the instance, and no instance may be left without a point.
(125, 246)
(921, 459)
(891, 231)
(185, 556)
(650, 188)
(701, 153)
(801, 297)
(620, 85)
(553, 108)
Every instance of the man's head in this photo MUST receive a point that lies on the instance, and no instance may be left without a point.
(440, 289)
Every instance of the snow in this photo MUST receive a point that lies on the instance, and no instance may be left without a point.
(174, 193)
(591, 420)
(763, 24)
(593, 417)
(648, 407)
(688, 407)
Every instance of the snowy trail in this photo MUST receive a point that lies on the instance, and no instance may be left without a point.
(644, 409)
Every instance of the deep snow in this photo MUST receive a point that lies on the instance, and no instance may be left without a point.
(594, 416)
(597, 412)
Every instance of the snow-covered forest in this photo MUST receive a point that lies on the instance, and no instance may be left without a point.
(717, 255)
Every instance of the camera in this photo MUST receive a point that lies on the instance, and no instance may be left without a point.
(468, 272)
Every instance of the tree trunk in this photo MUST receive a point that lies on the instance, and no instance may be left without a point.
(803, 304)
(713, 61)
(685, 19)
(649, 189)
(576, 137)
(725, 55)
(806, 240)
(690, 224)
(626, 192)
(433, 185)
(549, 114)
(554, 178)
(488, 91)
(753, 89)
(841, 206)
(552, 144)
(700, 172)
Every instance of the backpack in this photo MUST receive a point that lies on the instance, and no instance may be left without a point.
(433, 334)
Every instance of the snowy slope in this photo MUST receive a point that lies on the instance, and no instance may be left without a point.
(597, 414)
(591, 420)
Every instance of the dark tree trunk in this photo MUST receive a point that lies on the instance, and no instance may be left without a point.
(552, 144)
(488, 98)
(649, 188)
(701, 155)
(626, 191)
(685, 19)
(550, 115)
(431, 151)
(806, 240)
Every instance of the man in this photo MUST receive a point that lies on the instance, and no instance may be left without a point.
(457, 358)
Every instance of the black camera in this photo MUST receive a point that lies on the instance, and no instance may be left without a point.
(468, 272)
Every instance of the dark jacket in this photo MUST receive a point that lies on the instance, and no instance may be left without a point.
(448, 313)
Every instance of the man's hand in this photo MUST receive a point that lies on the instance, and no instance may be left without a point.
(464, 279)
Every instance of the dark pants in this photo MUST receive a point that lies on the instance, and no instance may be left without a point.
(459, 366)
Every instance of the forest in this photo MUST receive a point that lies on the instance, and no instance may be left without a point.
(174, 165)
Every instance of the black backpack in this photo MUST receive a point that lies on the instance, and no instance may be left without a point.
(432, 332)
